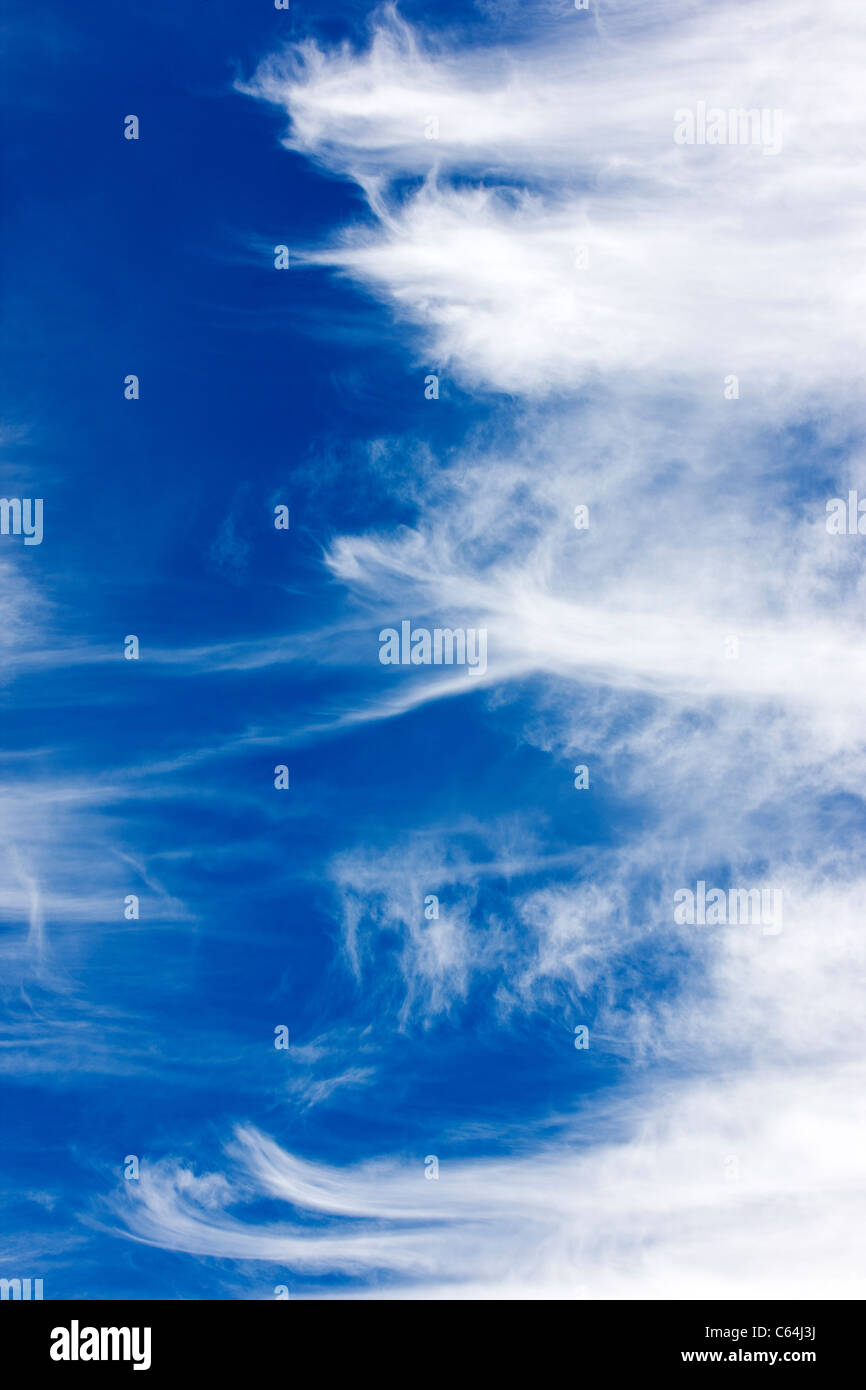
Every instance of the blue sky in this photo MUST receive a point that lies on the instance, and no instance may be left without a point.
(649, 1164)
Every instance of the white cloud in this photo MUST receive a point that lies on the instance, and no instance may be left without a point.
(724, 1191)
(726, 1165)
(703, 260)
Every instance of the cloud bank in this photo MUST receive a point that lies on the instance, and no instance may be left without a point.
(539, 236)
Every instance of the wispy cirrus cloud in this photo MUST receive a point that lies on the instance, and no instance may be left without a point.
(703, 1202)
(718, 1157)
(561, 142)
